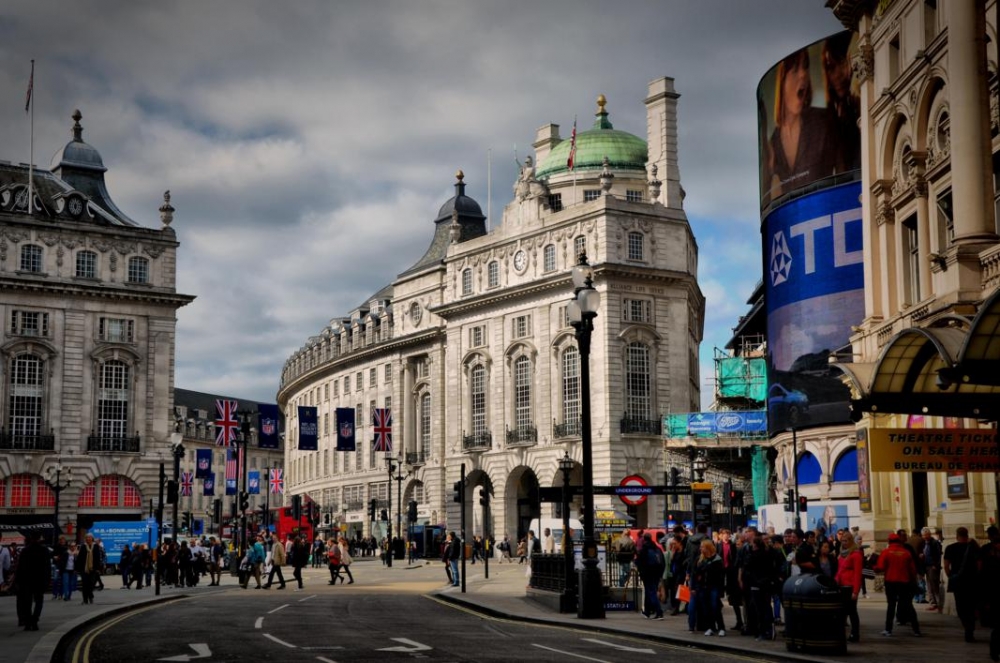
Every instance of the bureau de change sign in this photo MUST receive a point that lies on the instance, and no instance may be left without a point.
(933, 450)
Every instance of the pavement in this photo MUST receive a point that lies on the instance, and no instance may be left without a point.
(505, 595)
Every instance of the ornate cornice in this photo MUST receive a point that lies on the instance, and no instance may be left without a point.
(102, 291)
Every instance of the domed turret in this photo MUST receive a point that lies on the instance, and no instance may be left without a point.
(77, 154)
(463, 204)
(624, 151)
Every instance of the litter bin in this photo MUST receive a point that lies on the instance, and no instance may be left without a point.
(815, 611)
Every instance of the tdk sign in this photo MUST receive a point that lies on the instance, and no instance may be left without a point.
(814, 246)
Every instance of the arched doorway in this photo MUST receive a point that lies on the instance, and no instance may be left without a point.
(480, 505)
(522, 502)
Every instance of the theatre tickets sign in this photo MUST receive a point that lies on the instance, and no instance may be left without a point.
(933, 450)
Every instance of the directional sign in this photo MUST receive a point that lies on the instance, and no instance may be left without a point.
(555, 494)
(633, 490)
(200, 648)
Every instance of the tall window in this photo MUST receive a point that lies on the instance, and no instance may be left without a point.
(522, 392)
(112, 403)
(637, 310)
(549, 258)
(347, 384)
(521, 326)
(493, 274)
(116, 330)
(24, 412)
(555, 202)
(372, 377)
(425, 425)
(635, 246)
(477, 336)
(29, 323)
(20, 490)
(571, 385)
(138, 270)
(371, 409)
(86, 265)
(359, 383)
(945, 220)
(637, 378)
(388, 373)
(478, 388)
(31, 258)
(911, 277)
(579, 246)
(466, 281)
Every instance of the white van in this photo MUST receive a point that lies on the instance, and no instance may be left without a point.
(556, 525)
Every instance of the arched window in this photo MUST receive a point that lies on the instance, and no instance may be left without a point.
(31, 258)
(638, 398)
(86, 265)
(466, 281)
(808, 469)
(24, 405)
(571, 388)
(477, 379)
(549, 258)
(522, 392)
(138, 270)
(110, 491)
(846, 467)
(425, 425)
(636, 249)
(493, 274)
(113, 400)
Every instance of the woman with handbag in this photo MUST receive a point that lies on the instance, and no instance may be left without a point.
(849, 574)
(345, 561)
(708, 580)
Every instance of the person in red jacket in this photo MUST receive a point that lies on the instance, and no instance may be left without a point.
(900, 580)
(849, 575)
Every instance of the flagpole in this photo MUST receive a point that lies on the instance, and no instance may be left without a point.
(31, 144)
(489, 188)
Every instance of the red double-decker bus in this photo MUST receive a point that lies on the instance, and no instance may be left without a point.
(284, 524)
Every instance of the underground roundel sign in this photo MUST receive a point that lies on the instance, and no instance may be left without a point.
(633, 490)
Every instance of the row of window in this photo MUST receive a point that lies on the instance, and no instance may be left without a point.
(36, 323)
(32, 260)
(108, 491)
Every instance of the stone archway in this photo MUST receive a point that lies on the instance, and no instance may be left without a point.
(523, 503)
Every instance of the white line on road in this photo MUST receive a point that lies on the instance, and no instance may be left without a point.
(560, 651)
(311, 596)
(259, 623)
(279, 641)
(280, 607)
(637, 650)
(325, 660)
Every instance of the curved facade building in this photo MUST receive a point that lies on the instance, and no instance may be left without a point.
(472, 350)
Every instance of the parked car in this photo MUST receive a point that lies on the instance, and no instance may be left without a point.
(788, 403)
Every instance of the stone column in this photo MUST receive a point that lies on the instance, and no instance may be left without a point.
(409, 409)
(863, 66)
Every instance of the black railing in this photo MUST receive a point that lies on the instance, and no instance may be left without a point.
(522, 436)
(641, 426)
(549, 572)
(129, 445)
(569, 429)
(416, 457)
(19, 442)
(477, 442)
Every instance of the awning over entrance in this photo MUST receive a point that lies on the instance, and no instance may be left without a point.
(948, 370)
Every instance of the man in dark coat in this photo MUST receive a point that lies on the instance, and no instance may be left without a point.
(650, 563)
(34, 568)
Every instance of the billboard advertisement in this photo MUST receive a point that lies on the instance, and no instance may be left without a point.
(116, 535)
(807, 112)
(813, 293)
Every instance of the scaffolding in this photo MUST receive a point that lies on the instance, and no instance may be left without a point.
(741, 377)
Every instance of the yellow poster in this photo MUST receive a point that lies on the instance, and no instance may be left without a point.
(933, 450)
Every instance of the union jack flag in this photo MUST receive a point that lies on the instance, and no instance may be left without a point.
(277, 481)
(382, 427)
(187, 483)
(227, 424)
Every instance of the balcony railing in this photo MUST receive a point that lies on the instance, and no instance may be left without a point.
(478, 442)
(568, 429)
(129, 445)
(523, 436)
(640, 426)
(19, 442)
(416, 457)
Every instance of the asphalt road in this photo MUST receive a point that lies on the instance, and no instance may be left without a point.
(367, 621)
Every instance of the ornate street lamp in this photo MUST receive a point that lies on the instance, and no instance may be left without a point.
(58, 480)
(569, 591)
(582, 310)
(395, 467)
(177, 451)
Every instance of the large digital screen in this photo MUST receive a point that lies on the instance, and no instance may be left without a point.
(813, 293)
(808, 107)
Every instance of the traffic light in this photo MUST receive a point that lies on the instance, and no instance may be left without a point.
(297, 508)
(186, 521)
(244, 501)
(458, 492)
(384, 515)
(728, 488)
(172, 492)
(790, 500)
(372, 505)
(738, 499)
(484, 497)
(411, 511)
(803, 503)
(674, 480)
(217, 512)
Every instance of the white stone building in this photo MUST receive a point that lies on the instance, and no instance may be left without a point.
(472, 350)
(88, 301)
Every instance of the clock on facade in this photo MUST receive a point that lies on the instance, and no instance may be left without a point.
(520, 260)
(415, 313)
(75, 206)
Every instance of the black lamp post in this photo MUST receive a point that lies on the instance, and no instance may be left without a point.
(395, 467)
(569, 592)
(242, 451)
(582, 310)
(56, 481)
(177, 450)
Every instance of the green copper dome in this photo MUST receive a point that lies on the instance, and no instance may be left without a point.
(623, 150)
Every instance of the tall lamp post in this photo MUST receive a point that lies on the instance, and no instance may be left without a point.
(395, 466)
(58, 480)
(177, 450)
(569, 592)
(582, 310)
(242, 444)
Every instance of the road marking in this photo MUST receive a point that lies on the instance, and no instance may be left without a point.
(322, 648)
(566, 653)
(200, 648)
(414, 646)
(311, 596)
(325, 660)
(280, 607)
(259, 623)
(622, 647)
(279, 641)
(82, 649)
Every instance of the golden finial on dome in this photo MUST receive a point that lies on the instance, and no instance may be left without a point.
(460, 175)
(601, 103)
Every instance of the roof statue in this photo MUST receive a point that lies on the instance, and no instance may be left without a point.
(527, 185)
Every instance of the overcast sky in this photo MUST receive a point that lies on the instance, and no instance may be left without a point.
(308, 145)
